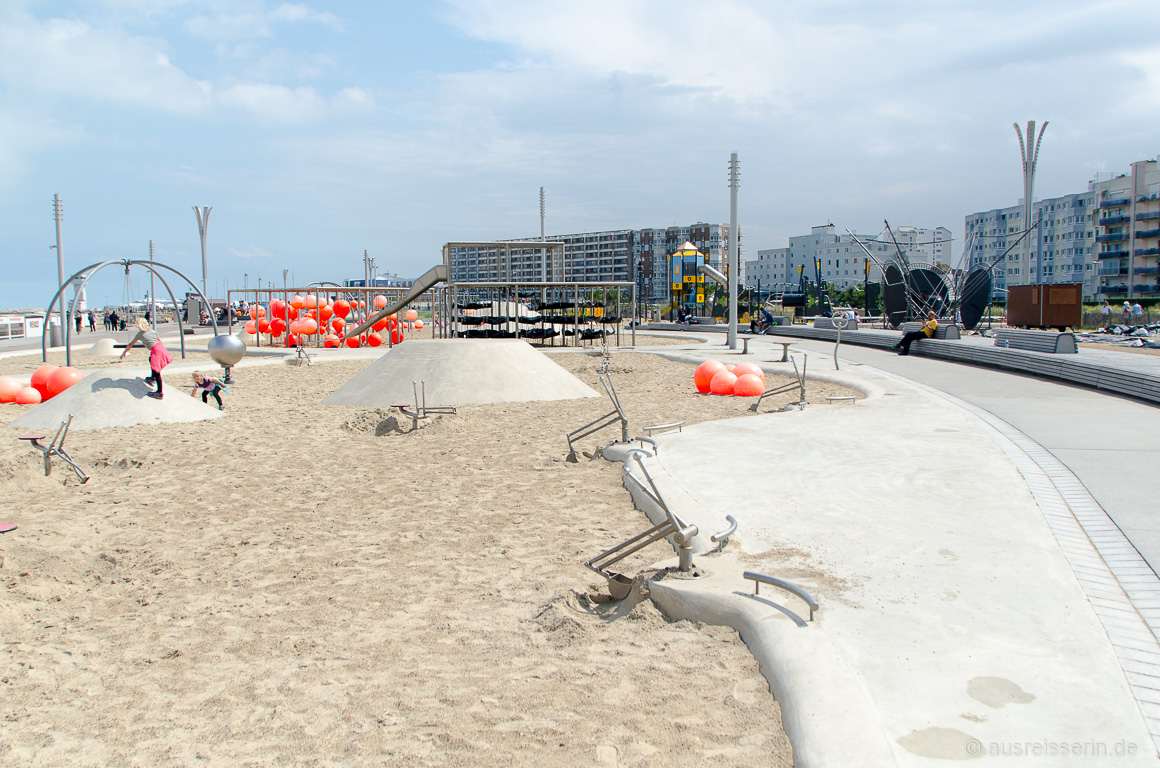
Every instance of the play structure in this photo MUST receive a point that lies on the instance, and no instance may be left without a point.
(86, 274)
(682, 533)
(55, 447)
(911, 289)
(420, 410)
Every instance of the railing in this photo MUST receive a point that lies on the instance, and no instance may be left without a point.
(1112, 254)
(1144, 270)
(1116, 203)
(1148, 215)
(1110, 238)
(760, 578)
(1113, 289)
(1113, 272)
(1146, 288)
(1146, 251)
(1148, 233)
(1114, 220)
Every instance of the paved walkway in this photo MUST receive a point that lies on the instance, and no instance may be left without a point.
(976, 596)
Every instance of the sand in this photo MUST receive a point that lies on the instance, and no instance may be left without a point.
(283, 587)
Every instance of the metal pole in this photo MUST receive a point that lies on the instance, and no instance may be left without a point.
(57, 215)
(542, 210)
(734, 246)
(152, 291)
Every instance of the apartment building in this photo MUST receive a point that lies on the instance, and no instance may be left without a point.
(843, 263)
(1061, 244)
(639, 256)
(1126, 214)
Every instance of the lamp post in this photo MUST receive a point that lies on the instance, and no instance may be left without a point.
(57, 215)
(1029, 155)
(202, 214)
(734, 246)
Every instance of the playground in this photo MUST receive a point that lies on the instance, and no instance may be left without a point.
(281, 585)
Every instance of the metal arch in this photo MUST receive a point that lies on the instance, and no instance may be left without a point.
(126, 263)
(92, 269)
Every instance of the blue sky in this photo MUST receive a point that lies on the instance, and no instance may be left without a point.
(320, 130)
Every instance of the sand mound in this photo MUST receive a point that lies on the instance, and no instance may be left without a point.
(103, 399)
(103, 348)
(461, 372)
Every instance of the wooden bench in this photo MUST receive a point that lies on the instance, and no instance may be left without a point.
(1036, 341)
(946, 330)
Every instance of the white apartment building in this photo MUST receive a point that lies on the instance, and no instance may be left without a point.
(1126, 214)
(1061, 245)
(843, 263)
(614, 255)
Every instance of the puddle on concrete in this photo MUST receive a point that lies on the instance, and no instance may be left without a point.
(997, 692)
(942, 744)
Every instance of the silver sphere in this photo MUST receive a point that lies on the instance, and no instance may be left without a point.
(226, 350)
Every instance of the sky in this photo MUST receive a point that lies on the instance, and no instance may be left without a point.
(317, 131)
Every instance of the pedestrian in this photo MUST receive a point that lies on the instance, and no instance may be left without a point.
(927, 330)
(1106, 313)
(159, 356)
(92, 321)
(1127, 312)
(1137, 313)
(208, 385)
(79, 321)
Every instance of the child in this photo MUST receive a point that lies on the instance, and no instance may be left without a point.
(159, 356)
(209, 386)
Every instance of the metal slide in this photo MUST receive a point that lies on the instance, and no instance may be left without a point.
(705, 269)
(438, 274)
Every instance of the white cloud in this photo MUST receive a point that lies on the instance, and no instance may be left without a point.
(62, 57)
(250, 253)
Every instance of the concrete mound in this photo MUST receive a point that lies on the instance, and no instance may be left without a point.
(461, 372)
(103, 348)
(106, 399)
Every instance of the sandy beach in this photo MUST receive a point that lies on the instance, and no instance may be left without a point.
(282, 587)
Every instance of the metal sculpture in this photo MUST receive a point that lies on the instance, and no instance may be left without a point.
(226, 351)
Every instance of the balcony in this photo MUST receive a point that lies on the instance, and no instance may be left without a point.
(1111, 254)
(1146, 251)
(1113, 271)
(1148, 233)
(1147, 216)
(1116, 203)
(1113, 289)
(1145, 270)
(1111, 238)
(1146, 288)
(1107, 220)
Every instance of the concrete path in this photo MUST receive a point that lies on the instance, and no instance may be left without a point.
(966, 609)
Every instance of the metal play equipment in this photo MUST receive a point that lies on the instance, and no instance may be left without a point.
(422, 410)
(86, 274)
(619, 585)
(760, 578)
(912, 289)
(607, 420)
(226, 351)
(800, 385)
(840, 322)
(55, 447)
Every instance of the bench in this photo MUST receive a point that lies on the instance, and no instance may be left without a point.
(946, 330)
(1036, 341)
(828, 323)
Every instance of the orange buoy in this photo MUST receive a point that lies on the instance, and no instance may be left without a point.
(748, 385)
(705, 373)
(722, 383)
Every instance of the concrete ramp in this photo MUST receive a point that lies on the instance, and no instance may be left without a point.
(110, 399)
(461, 372)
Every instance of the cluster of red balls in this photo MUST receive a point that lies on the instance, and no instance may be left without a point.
(48, 381)
(743, 379)
(304, 316)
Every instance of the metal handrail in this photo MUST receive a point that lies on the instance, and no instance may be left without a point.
(761, 578)
(725, 534)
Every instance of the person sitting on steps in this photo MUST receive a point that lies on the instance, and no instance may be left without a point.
(927, 330)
